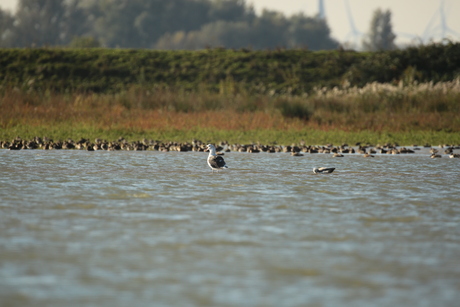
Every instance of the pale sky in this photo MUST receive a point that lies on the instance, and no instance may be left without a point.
(410, 18)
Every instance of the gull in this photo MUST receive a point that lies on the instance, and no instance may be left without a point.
(323, 170)
(215, 162)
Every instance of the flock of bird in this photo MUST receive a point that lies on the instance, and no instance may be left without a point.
(215, 160)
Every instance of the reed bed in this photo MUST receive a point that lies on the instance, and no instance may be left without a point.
(376, 112)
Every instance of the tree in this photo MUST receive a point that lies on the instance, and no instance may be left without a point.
(163, 24)
(6, 28)
(230, 10)
(380, 36)
(47, 23)
(140, 23)
(214, 34)
(310, 32)
(271, 30)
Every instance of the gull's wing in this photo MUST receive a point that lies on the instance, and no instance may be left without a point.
(216, 161)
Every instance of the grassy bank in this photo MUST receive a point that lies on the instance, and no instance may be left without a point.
(281, 96)
(376, 113)
(280, 137)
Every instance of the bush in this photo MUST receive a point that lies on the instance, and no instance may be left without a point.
(286, 72)
(294, 109)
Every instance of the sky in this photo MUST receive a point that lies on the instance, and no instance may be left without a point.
(412, 20)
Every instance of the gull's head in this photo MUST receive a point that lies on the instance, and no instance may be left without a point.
(210, 147)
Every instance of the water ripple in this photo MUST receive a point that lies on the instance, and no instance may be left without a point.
(112, 229)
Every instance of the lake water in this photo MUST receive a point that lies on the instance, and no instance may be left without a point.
(150, 228)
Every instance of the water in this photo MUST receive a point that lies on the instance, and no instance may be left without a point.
(148, 228)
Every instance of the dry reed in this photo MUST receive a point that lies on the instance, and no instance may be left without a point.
(375, 107)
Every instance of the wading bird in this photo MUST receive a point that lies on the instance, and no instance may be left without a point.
(215, 162)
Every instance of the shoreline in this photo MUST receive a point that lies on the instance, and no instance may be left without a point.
(254, 136)
(295, 149)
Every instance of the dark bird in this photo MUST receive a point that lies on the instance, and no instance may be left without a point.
(323, 170)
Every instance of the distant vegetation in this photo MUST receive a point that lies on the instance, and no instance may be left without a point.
(380, 36)
(294, 72)
(213, 69)
(412, 92)
(236, 94)
(158, 24)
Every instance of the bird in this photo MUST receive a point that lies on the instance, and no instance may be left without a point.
(215, 162)
(323, 170)
(454, 155)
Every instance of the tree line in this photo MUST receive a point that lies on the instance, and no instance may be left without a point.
(158, 24)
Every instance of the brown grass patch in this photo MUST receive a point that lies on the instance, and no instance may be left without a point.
(426, 107)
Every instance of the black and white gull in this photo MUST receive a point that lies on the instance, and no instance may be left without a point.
(215, 162)
(323, 170)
